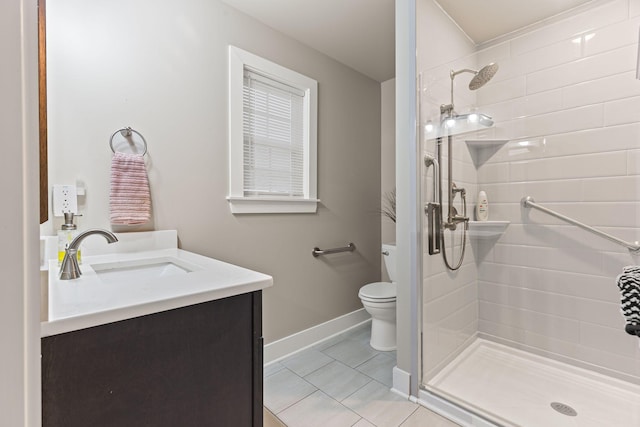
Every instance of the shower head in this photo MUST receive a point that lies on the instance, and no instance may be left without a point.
(480, 78)
(483, 75)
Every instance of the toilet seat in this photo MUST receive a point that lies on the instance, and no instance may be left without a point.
(378, 292)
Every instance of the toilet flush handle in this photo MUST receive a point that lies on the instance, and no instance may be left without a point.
(385, 253)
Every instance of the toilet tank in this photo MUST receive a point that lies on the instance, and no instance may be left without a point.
(390, 260)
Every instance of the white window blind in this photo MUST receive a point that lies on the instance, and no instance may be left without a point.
(273, 120)
(273, 137)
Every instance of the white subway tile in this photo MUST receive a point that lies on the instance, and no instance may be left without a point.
(496, 53)
(529, 105)
(593, 140)
(634, 8)
(501, 274)
(493, 172)
(544, 302)
(502, 192)
(459, 321)
(626, 368)
(622, 111)
(601, 337)
(500, 331)
(491, 292)
(612, 37)
(615, 262)
(577, 260)
(446, 282)
(604, 15)
(567, 167)
(540, 323)
(502, 91)
(613, 189)
(611, 88)
(441, 308)
(530, 235)
(548, 56)
(576, 284)
(565, 121)
(526, 148)
(554, 191)
(594, 67)
(600, 313)
(633, 163)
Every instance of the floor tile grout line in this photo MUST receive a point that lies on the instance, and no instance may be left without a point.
(354, 367)
(330, 397)
(372, 380)
(409, 416)
(360, 388)
(299, 400)
(351, 337)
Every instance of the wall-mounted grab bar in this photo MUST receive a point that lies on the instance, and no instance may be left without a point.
(528, 202)
(316, 252)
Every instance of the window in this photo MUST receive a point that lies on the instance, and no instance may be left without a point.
(272, 137)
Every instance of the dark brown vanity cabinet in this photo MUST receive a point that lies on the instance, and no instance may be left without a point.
(195, 366)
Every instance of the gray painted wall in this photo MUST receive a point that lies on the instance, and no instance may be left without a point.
(165, 74)
(388, 159)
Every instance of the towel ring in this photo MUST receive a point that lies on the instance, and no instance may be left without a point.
(127, 132)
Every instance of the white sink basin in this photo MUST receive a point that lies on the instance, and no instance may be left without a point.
(142, 270)
(141, 274)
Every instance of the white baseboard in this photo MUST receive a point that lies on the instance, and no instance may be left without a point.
(401, 382)
(304, 339)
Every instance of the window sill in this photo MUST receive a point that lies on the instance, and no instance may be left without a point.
(253, 205)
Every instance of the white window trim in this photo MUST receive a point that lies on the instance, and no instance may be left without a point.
(238, 60)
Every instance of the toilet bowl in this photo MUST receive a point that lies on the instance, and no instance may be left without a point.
(379, 299)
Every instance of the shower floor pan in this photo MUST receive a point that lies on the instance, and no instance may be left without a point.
(513, 387)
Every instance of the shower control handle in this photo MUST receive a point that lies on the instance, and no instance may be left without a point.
(432, 210)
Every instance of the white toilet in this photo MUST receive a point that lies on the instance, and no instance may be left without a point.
(379, 299)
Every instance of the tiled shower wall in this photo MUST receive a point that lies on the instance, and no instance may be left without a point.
(450, 299)
(567, 100)
(567, 105)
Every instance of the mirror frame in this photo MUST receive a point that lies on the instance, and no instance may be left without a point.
(42, 105)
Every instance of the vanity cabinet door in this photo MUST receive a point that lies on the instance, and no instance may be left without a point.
(193, 366)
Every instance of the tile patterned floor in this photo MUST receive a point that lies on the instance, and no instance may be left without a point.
(341, 382)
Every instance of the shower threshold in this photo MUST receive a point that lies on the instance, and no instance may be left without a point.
(514, 388)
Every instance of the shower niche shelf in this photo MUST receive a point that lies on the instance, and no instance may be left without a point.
(481, 150)
(487, 229)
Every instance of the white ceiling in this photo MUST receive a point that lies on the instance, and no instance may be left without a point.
(360, 33)
(488, 19)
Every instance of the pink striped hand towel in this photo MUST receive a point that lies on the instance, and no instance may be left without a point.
(130, 197)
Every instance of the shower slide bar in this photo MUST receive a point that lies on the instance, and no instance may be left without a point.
(528, 202)
(316, 252)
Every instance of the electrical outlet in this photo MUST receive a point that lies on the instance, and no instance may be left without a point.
(65, 199)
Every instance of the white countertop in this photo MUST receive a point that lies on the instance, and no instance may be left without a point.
(93, 300)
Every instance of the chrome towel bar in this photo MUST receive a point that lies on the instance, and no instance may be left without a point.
(316, 252)
(126, 133)
(528, 202)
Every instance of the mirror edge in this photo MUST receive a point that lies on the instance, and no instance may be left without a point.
(42, 101)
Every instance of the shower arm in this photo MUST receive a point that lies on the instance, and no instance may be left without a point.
(448, 109)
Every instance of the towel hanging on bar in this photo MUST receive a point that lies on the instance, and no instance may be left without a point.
(629, 284)
(130, 198)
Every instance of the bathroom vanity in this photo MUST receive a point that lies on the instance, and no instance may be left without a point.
(159, 337)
